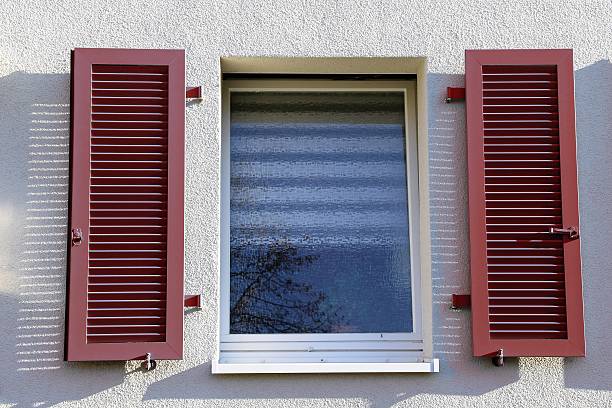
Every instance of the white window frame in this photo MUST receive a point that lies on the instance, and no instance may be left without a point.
(337, 352)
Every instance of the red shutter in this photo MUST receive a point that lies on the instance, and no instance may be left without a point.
(125, 285)
(526, 281)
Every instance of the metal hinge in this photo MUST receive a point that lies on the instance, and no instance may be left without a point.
(454, 94)
(460, 301)
(193, 93)
(193, 301)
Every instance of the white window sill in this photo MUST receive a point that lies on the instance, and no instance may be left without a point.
(430, 366)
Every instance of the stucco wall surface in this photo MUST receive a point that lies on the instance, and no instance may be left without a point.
(36, 38)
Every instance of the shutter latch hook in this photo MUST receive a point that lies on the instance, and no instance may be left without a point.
(571, 232)
(77, 237)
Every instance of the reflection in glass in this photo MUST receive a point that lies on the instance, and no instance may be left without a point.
(318, 213)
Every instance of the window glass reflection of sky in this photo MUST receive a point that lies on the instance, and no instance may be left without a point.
(318, 213)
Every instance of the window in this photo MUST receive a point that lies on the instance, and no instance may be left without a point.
(320, 220)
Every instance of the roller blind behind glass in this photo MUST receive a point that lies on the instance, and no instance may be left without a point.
(319, 238)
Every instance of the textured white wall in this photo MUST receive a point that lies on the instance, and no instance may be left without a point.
(36, 37)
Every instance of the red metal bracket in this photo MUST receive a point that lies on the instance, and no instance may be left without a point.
(454, 94)
(193, 92)
(193, 301)
(461, 301)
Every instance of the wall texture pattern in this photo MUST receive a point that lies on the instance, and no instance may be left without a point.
(34, 115)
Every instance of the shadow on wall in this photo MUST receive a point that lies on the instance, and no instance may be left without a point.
(34, 140)
(594, 124)
(461, 374)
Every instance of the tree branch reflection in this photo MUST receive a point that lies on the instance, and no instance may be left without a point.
(268, 296)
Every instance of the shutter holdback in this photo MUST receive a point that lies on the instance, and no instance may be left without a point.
(149, 364)
(498, 359)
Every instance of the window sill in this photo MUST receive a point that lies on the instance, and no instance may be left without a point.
(430, 366)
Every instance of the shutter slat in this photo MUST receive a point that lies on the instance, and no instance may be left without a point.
(517, 187)
(518, 164)
(125, 263)
(110, 330)
(520, 172)
(521, 151)
(126, 164)
(131, 93)
(103, 197)
(124, 212)
(529, 285)
(128, 158)
(129, 189)
(124, 238)
(150, 110)
(520, 85)
(136, 271)
(505, 252)
(521, 132)
(516, 109)
(534, 268)
(127, 313)
(506, 310)
(525, 92)
(526, 301)
(100, 305)
(518, 69)
(150, 296)
(520, 148)
(524, 180)
(162, 86)
(115, 321)
(500, 243)
(97, 254)
(122, 339)
(126, 68)
(140, 125)
(533, 334)
(121, 279)
(129, 141)
(126, 148)
(140, 101)
(529, 77)
(532, 318)
(128, 180)
(524, 276)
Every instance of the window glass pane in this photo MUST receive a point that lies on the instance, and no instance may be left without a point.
(319, 218)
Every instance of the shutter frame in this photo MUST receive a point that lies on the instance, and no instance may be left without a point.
(76, 347)
(483, 344)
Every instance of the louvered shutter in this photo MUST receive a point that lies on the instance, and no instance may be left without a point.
(125, 285)
(526, 280)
